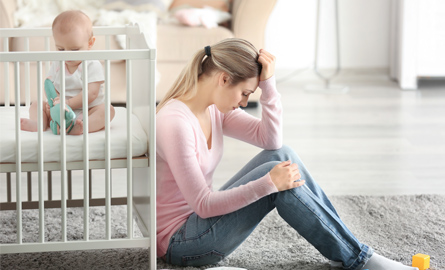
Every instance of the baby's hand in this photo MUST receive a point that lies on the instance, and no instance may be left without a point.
(56, 100)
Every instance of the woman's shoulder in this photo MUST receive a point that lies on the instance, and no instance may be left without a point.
(174, 111)
(171, 108)
(174, 122)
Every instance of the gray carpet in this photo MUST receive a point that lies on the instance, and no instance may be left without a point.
(396, 226)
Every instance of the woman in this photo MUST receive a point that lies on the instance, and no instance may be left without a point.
(199, 226)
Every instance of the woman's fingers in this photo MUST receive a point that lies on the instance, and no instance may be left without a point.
(267, 54)
(298, 183)
(286, 175)
(267, 60)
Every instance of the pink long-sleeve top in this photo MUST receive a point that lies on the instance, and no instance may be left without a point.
(185, 165)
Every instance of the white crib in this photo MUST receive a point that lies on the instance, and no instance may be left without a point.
(126, 143)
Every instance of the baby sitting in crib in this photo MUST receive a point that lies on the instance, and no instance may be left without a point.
(72, 31)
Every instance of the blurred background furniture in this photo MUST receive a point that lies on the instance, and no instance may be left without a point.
(176, 43)
(417, 41)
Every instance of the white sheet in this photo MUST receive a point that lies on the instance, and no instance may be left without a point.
(51, 142)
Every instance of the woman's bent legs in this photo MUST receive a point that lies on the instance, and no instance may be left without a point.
(306, 209)
(207, 241)
(321, 227)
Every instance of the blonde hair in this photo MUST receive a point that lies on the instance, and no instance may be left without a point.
(71, 19)
(236, 57)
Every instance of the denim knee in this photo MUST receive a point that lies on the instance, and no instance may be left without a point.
(285, 153)
(266, 168)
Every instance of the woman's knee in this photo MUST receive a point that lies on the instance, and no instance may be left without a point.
(284, 153)
(267, 167)
(287, 150)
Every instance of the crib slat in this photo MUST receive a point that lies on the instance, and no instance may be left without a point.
(86, 158)
(129, 153)
(152, 151)
(107, 150)
(63, 151)
(18, 153)
(107, 42)
(6, 72)
(27, 77)
(47, 63)
(40, 160)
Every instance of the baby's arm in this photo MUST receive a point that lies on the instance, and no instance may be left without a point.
(93, 92)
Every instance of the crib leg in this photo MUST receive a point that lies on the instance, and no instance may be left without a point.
(8, 186)
(50, 186)
(29, 186)
(90, 183)
(70, 185)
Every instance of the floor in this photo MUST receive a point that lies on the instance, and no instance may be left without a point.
(374, 140)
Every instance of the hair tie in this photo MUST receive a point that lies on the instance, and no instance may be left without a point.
(207, 50)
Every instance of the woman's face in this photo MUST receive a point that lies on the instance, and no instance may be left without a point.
(233, 96)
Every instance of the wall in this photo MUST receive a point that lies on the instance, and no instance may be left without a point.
(364, 33)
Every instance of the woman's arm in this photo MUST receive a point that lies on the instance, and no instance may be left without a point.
(267, 131)
(176, 145)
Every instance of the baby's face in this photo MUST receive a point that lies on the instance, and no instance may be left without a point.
(75, 40)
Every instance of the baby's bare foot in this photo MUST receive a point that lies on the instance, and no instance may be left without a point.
(28, 125)
(78, 128)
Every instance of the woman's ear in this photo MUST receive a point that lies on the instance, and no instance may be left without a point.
(223, 79)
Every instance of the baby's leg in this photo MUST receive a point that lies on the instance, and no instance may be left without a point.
(96, 117)
(77, 129)
(31, 123)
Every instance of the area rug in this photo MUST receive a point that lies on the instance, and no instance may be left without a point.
(395, 226)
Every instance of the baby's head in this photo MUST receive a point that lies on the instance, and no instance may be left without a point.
(73, 31)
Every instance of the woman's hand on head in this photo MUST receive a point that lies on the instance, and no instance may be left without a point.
(286, 175)
(267, 60)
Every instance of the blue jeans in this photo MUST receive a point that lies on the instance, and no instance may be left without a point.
(307, 209)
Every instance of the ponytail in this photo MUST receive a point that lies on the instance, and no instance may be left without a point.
(236, 57)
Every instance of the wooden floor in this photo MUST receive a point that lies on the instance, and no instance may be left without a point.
(374, 140)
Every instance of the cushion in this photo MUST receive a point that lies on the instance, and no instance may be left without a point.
(138, 5)
(223, 5)
(190, 38)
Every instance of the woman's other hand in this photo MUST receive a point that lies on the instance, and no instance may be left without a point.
(267, 60)
(286, 175)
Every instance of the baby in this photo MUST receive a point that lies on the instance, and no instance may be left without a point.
(73, 31)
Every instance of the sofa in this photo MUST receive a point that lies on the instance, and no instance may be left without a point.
(176, 44)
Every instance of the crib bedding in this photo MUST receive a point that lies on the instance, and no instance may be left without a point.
(74, 148)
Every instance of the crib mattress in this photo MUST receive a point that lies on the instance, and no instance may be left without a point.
(74, 144)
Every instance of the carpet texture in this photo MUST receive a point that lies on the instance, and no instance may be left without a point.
(395, 226)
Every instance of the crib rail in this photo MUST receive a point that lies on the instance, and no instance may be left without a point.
(75, 56)
(138, 48)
